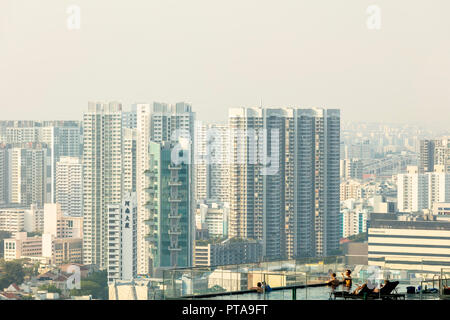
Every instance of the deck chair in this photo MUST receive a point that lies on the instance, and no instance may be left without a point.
(365, 292)
(387, 291)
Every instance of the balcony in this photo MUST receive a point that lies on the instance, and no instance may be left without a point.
(152, 222)
(175, 183)
(175, 200)
(151, 205)
(174, 248)
(174, 167)
(151, 238)
(174, 216)
(175, 232)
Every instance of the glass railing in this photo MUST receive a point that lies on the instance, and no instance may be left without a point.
(303, 279)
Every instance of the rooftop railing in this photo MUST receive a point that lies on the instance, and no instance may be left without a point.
(300, 279)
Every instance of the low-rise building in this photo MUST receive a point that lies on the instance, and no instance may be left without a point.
(409, 242)
(230, 251)
(22, 246)
(130, 290)
(213, 217)
(18, 219)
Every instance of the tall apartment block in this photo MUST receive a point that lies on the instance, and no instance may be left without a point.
(212, 161)
(170, 217)
(4, 181)
(122, 236)
(63, 139)
(102, 169)
(418, 191)
(158, 122)
(129, 118)
(284, 179)
(129, 153)
(15, 220)
(434, 153)
(29, 174)
(69, 185)
(409, 242)
(202, 182)
(143, 112)
(229, 251)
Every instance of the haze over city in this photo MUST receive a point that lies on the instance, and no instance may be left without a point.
(216, 55)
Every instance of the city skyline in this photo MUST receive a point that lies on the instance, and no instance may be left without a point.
(224, 150)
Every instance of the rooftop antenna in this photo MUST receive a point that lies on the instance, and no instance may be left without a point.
(260, 103)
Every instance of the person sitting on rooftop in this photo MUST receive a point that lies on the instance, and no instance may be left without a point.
(333, 282)
(266, 287)
(347, 279)
(258, 288)
(377, 290)
(362, 289)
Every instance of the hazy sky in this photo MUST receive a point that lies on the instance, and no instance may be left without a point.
(221, 54)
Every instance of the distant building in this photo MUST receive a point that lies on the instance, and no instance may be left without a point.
(158, 122)
(171, 220)
(418, 191)
(353, 222)
(441, 210)
(16, 220)
(122, 235)
(103, 177)
(4, 179)
(214, 218)
(30, 174)
(350, 189)
(129, 118)
(230, 251)
(69, 185)
(291, 205)
(355, 253)
(434, 153)
(62, 250)
(407, 242)
(130, 290)
(351, 168)
(22, 246)
(62, 237)
(61, 225)
(212, 162)
(382, 205)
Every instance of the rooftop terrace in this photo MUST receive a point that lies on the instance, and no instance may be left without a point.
(303, 279)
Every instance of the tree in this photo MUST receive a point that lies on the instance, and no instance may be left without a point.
(96, 285)
(32, 271)
(360, 237)
(50, 288)
(11, 272)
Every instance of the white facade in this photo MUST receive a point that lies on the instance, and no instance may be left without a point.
(418, 191)
(409, 245)
(353, 222)
(292, 206)
(214, 218)
(212, 162)
(29, 174)
(156, 122)
(122, 235)
(15, 220)
(69, 185)
(102, 170)
(142, 182)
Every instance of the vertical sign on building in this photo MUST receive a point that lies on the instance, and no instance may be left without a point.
(128, 221)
